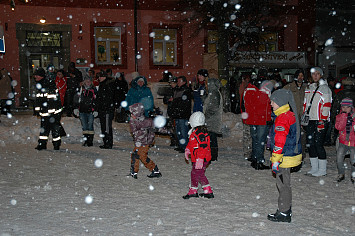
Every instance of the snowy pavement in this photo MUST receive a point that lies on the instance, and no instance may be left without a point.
(69, 192)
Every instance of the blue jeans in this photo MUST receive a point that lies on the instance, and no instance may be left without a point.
(182, 128)
(87, 121)
(258, 134)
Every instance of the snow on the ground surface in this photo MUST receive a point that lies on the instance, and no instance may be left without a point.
(69, 192)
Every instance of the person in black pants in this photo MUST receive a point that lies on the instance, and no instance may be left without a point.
(105, 106)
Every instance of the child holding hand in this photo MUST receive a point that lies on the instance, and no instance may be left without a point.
(200, 150)
(345, 123)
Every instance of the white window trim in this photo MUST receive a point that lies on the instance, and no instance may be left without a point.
(108, 53)
(164, 63)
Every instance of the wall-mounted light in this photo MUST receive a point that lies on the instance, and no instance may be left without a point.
(12, 5)
(42, 20)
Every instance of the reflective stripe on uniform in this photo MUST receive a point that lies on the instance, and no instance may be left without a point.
(43, 137)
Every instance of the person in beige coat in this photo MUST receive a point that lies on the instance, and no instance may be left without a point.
(298, 88)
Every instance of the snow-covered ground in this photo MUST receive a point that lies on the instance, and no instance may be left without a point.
(69, 192)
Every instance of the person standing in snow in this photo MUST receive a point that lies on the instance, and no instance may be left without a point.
(200, 150)
(140, 93)
(48, 107)
(298, 88)
(120, 96)
(318, 100)
(287, 150)
(142, 129)
(86, 110)
(212, 110)
(345, 123)
(105, 106)
(200, 93)
(181, 111)
(256, 111)
(73, 84)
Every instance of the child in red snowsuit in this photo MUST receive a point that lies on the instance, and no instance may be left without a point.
(345, 123)
(200, 150)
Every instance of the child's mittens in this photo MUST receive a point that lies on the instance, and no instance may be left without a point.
(275, 167)
(187, 153)
(320, 126)
(199, 164)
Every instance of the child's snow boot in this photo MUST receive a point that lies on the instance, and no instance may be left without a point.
(281, 216)
(133, 175)
(192, 193)
(207, 192)
(155, 173)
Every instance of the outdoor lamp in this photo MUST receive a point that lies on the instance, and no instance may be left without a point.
(42, 20)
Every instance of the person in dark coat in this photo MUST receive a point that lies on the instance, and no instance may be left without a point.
(48, 107)
(168, 99)
(105, 106)
(86, 110)
(181, 111)
(74, 79)
(199, 90)
(120, 95)
(213, 109)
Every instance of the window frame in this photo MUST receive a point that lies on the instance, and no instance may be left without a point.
(122, 45)
(178, 46)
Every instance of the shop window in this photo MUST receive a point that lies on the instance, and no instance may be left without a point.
(268, 42)
(108, 49)
(164, 46)
(212, 38)
(43, 39)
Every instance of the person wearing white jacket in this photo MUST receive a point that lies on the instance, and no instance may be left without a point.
(319, 113)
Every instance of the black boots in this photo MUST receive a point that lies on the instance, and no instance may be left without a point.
(155, 173)
(259, 166)
(41, 146)
(281, 216)
(88, 140)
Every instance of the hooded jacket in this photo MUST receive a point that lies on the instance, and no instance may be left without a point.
(285, 140)
(143, 95)
(142, 128)
(322, 101)
(213, 106)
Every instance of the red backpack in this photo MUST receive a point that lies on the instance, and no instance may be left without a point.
(204, 145)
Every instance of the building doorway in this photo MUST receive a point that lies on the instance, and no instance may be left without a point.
(40, 46)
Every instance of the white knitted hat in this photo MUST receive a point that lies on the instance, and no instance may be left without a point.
(197, 119)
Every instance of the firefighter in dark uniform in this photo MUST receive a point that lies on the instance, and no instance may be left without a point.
(48, 107)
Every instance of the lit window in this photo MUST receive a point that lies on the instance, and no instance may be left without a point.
(108, 46)
(212, 37)
(164, 46)
(268, 42)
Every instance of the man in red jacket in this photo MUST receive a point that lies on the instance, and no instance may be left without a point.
(256, 112)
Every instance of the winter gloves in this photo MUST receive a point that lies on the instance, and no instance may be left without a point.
(187, 153)
(199, 164)
(275, 167)
(199, 161)
(320, 126)
(76, 112)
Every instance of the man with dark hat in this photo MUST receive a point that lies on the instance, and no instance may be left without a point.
(48, 106)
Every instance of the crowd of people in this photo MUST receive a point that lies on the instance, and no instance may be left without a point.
(287, 119)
